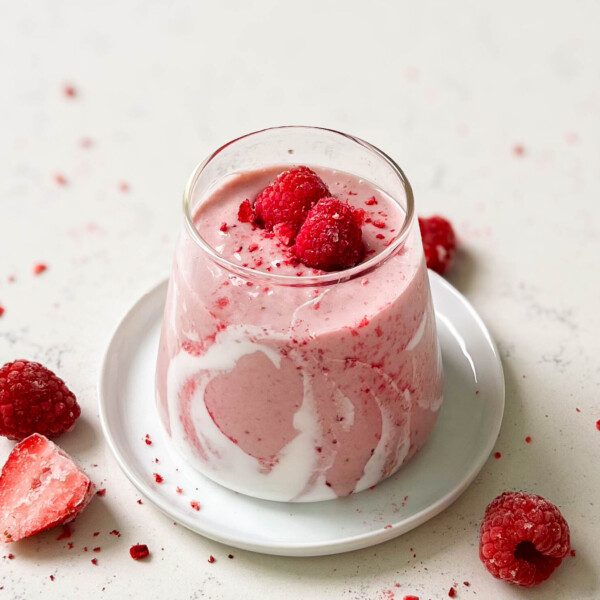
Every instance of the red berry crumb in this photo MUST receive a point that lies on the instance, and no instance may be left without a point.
(98, 549)
(598, 424)
(497, 455)
(139, 551)
(124, 186)
(1, 310)
(523, 538)
(211, 559)
(246, 212)
(39, 268)
(451, 593)
(223, 227)
(179, 490)
(195, 505)
(34, 400)
(528, 439)
(331, 237)
(439, 243)
(115, 532)
(518, 150)
(101, 492)
(60, 179)
(371, 201)
(411, 597)
(158, 478)
(69, 91)
(51, 577)
(288, 199)
(94, 561)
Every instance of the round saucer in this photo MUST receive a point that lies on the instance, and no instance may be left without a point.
(461, 442)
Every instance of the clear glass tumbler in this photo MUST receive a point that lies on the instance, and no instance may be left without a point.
(298, 388)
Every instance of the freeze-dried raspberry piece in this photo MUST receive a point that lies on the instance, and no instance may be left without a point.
(40, 487)
(331, 237)
(34, 400)
(439, 243)
(287, 201)
(139, 551)
(523, 538)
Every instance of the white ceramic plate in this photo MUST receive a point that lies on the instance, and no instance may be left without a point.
(461, 442)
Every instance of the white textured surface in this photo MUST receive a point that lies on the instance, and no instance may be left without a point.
(448, 89)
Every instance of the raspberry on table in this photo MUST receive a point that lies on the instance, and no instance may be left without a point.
(331, 237)
(439, 243)
(34, 400)
(523, 538)
(288, 199)
(139, 551)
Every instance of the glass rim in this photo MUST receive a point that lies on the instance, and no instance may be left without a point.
(309, 280)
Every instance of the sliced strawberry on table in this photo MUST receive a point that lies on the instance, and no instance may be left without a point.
(40, 487)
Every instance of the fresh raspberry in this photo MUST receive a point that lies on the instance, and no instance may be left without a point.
(331, 237)
(288, 199)
(34, 400)
(40, 487)
(139, 551)
(523, 538)
(246, 212)
(439, 243)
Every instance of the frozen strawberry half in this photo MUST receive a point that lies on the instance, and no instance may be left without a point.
(40, 487)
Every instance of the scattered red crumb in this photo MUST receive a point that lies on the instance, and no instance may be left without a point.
(211, 559)
(60, 179)
(598, 424)
(179, 490)
(85, 548)
(51, 577)
(156, 460)
(223, 227)
(388, 527)
(573, 553)
(252, 247)
(194, 505)
(528, 439)
(497, 455)
(140, 502)
(379, 224)
(371, 201)
(101, 492)
(372, 487)
(466, 583)
(94, 561)
(380, 236)
(222, 302)
(411, 597)
(69, 91)
(230, 556)
(1, 310)
(451, 592)
(124, 186)
(158, 478)
(11, 279)
(97, 549)
(71, 545)
(115, 532)
(10, 556)
(139, 551)
(577, 410)
(39, 268)
(96, 533)
(518, 150)
(85, 142)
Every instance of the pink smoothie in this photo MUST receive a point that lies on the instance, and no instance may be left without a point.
(297, 392)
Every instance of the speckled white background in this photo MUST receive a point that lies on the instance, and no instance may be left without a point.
(449, 90)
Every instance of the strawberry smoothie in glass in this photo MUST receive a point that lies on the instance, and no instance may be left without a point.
(284, 373)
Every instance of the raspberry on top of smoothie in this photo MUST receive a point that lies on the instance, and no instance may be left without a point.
(298, 206)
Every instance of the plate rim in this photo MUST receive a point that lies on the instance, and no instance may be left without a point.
(345, 544)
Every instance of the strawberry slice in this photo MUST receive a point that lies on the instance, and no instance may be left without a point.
(40, 487)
